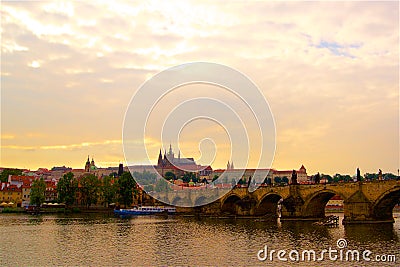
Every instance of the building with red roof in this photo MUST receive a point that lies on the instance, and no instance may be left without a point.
(11, 194)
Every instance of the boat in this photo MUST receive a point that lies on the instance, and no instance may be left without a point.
(145, 210)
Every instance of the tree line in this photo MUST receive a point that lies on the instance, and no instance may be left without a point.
(89, 189)
(347, 178)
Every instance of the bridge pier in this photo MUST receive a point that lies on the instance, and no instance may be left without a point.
(292, 205)
(357, 209)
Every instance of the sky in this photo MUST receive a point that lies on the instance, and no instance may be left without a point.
(329, 71)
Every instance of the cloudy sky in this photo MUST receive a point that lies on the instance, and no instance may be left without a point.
(329, 71)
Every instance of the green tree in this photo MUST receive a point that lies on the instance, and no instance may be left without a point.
(389, 176)
(6, 172)
(337, 178)
(162, 185)
(328, 178)
(145, 177)
(194, 178)
(233, 182)
(90, 188)
(341, 178)
(126, 188)
(108, 190)
(347, 178)
(214, 178)
(371, 176)
(354, 178)
(113, 174)
(267, 181)
(148, 187)
(66, 189)
(170, 176)
(187, 176)
(278, 180)
(37, 192)
(285, 180)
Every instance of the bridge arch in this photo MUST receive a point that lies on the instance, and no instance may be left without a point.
(268, 205)
(230, 204)
(176, 200)
(383, 207)
(314, 206)
(200, 201)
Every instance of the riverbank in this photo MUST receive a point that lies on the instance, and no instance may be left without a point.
(334, 210)
(339, 209)
(110, 211)
(103, 210)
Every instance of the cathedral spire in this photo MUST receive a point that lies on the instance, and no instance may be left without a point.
(160, 162)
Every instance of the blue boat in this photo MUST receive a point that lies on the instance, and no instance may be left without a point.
(145, 210)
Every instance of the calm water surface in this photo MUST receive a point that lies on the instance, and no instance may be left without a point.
(96, 240)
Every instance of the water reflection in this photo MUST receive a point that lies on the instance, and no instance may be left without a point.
(35, 220)
(371, 232)
(98, 240)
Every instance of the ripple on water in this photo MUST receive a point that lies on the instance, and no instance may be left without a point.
(152, 241)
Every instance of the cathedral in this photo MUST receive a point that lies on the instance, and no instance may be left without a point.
(169, 160)
(178, 165)
(90, 166)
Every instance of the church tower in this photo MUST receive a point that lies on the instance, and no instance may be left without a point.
(165, 162)
(120, 169)
(87, 165)
(160, 160)
(170, 155)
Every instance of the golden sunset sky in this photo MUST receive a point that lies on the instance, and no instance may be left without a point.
(329, 71)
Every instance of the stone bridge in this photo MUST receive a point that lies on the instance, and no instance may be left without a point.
(363, 201)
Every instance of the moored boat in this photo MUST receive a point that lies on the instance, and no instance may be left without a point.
(145, 210)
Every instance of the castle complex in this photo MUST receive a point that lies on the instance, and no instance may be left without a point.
(178, 166)
(169, 160)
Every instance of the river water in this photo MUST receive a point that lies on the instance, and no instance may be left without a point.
(99, 240)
